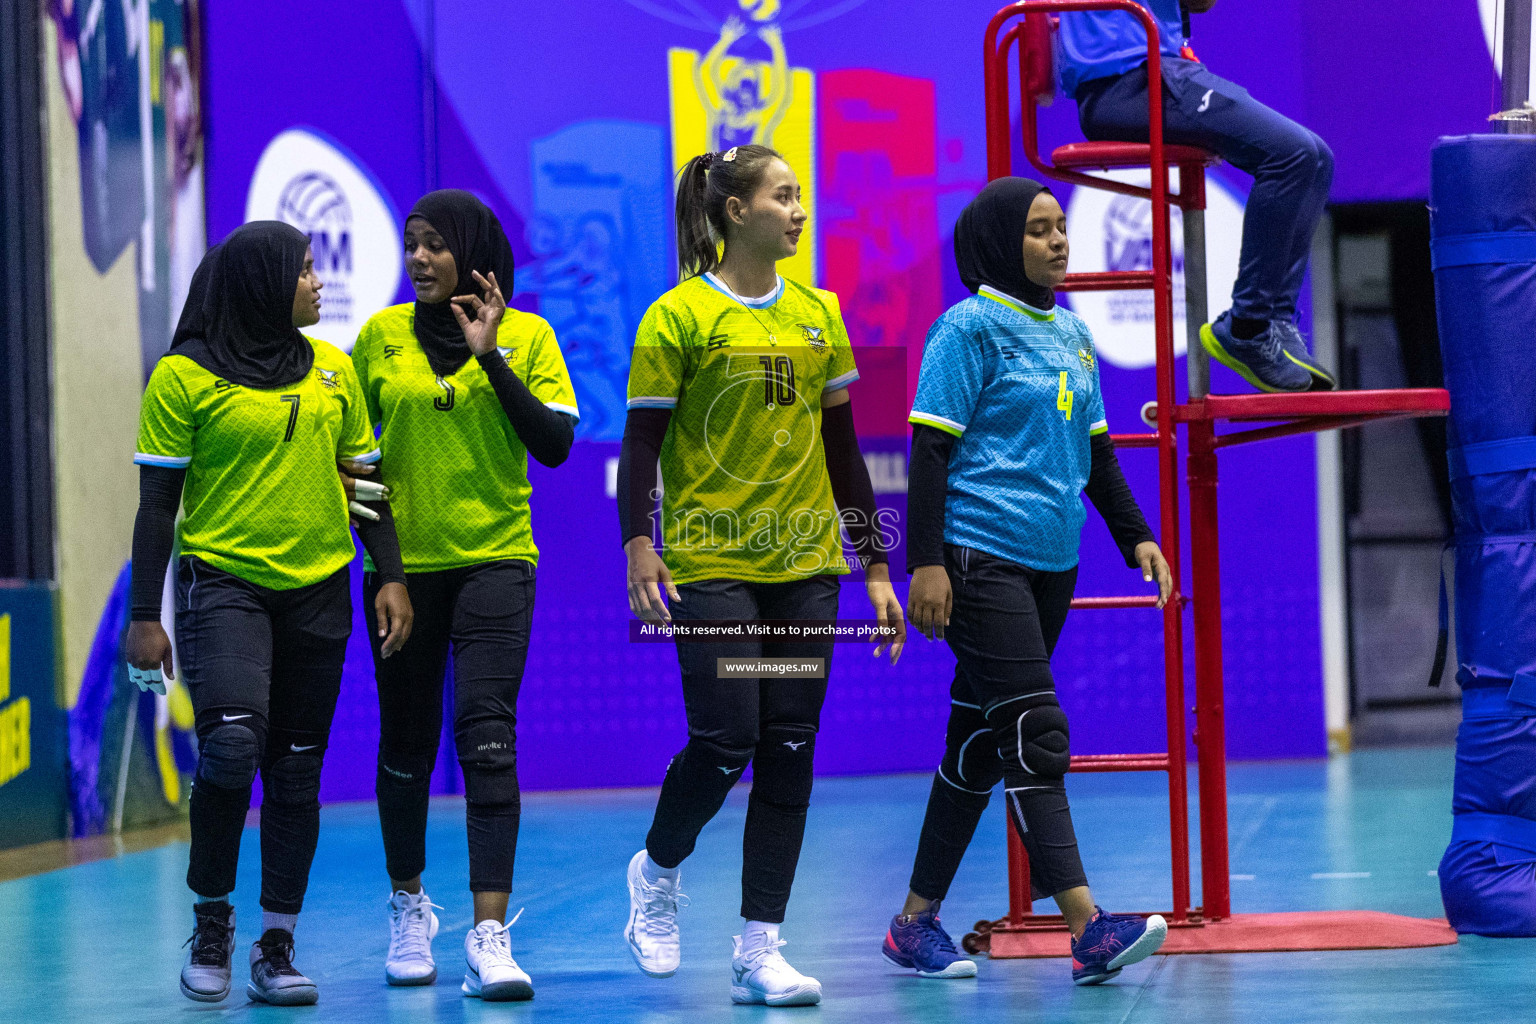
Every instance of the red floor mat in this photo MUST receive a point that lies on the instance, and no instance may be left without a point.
(1262, 933)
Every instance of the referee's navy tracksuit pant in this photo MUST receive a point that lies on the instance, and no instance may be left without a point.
(1292, 168)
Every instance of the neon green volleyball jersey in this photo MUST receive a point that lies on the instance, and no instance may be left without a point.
(744, 477)
(263, 500)
(457, 471)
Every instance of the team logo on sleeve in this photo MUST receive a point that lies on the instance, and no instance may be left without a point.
(328, 378)
(221, 385)
(718, 341)
(1086, 357)
(390, 351)
(815, 337)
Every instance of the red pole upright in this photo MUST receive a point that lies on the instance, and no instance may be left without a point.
(995, 84)
(1168, 480)
(1020, 905)
(1210, 709)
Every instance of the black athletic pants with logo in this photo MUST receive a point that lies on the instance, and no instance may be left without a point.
(1002, 629)
(766, 722)
(263, 668)
(484, 614)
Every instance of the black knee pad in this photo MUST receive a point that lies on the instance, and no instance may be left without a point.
(405, 770)
(783, 770)
(1031, 734)
(971, 763)
(230, 755)
(709, 758)
(294, 780)
(488, 755)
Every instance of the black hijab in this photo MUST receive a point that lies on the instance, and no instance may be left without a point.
(474, 236)
(238, 319)
(989, 238)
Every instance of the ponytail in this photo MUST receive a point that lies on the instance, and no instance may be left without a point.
(697, 249)
(703, 186)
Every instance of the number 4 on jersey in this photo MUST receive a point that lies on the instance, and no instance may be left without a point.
(1064, 396)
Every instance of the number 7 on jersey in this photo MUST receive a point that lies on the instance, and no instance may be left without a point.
(293, 414)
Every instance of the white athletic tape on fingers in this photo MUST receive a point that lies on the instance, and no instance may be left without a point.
(147, 679)
(371, 490)
(362, 511)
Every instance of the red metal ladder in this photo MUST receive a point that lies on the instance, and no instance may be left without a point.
(1019, 933)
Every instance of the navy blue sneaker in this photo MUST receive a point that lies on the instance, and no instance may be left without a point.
(922, 944)
(1113, 941)
(1261, 361)
(1295, 348)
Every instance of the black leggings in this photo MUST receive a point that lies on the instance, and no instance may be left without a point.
(484, 612)
(768, 723)
(1004, 723)
(263, 668)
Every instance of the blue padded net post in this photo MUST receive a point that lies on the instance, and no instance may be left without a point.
(1483, 222)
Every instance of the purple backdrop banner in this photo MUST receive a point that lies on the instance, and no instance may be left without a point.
(568, 120)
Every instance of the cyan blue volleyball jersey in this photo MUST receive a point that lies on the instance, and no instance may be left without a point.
(1019, 387)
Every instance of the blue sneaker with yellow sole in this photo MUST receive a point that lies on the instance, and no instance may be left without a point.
(921, 944)
(1295, 348)
(1261, 361)
(1113, 941)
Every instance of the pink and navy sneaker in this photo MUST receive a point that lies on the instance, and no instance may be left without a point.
(1113, 941)
(922, 944)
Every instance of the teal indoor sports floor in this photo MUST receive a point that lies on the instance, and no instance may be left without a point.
(102, 942)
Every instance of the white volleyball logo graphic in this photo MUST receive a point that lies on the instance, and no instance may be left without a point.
(1108, 231)
(309, 181)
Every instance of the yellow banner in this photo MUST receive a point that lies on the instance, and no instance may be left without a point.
(720, 101)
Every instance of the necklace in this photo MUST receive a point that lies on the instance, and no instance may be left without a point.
(772, 337)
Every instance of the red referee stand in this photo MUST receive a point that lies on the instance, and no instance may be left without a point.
(1209, 926)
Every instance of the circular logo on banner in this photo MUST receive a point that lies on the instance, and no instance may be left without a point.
(1108, 231)
(306, 180)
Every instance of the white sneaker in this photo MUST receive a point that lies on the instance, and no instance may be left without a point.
(491, 973)
(412, 927)
(762, 975)
(652, 929)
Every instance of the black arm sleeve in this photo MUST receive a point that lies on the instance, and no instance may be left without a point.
(381, 542)
(1111, 495)
(927, 483)
(546, 434)
(851, 486)
(644, 430)
(154, 538)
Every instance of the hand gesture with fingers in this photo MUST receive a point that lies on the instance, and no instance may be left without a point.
(148, 653)
(1154, 566)
(648, 574)
(488, 309)
(359, 491)
(930, 600)
(395, 617)
(877, 581)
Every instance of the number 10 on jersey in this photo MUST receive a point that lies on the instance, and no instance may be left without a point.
(778, 380)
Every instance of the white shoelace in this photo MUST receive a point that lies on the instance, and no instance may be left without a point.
(760, 956)
(494, 944)
(412, 936)
(661, 905)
